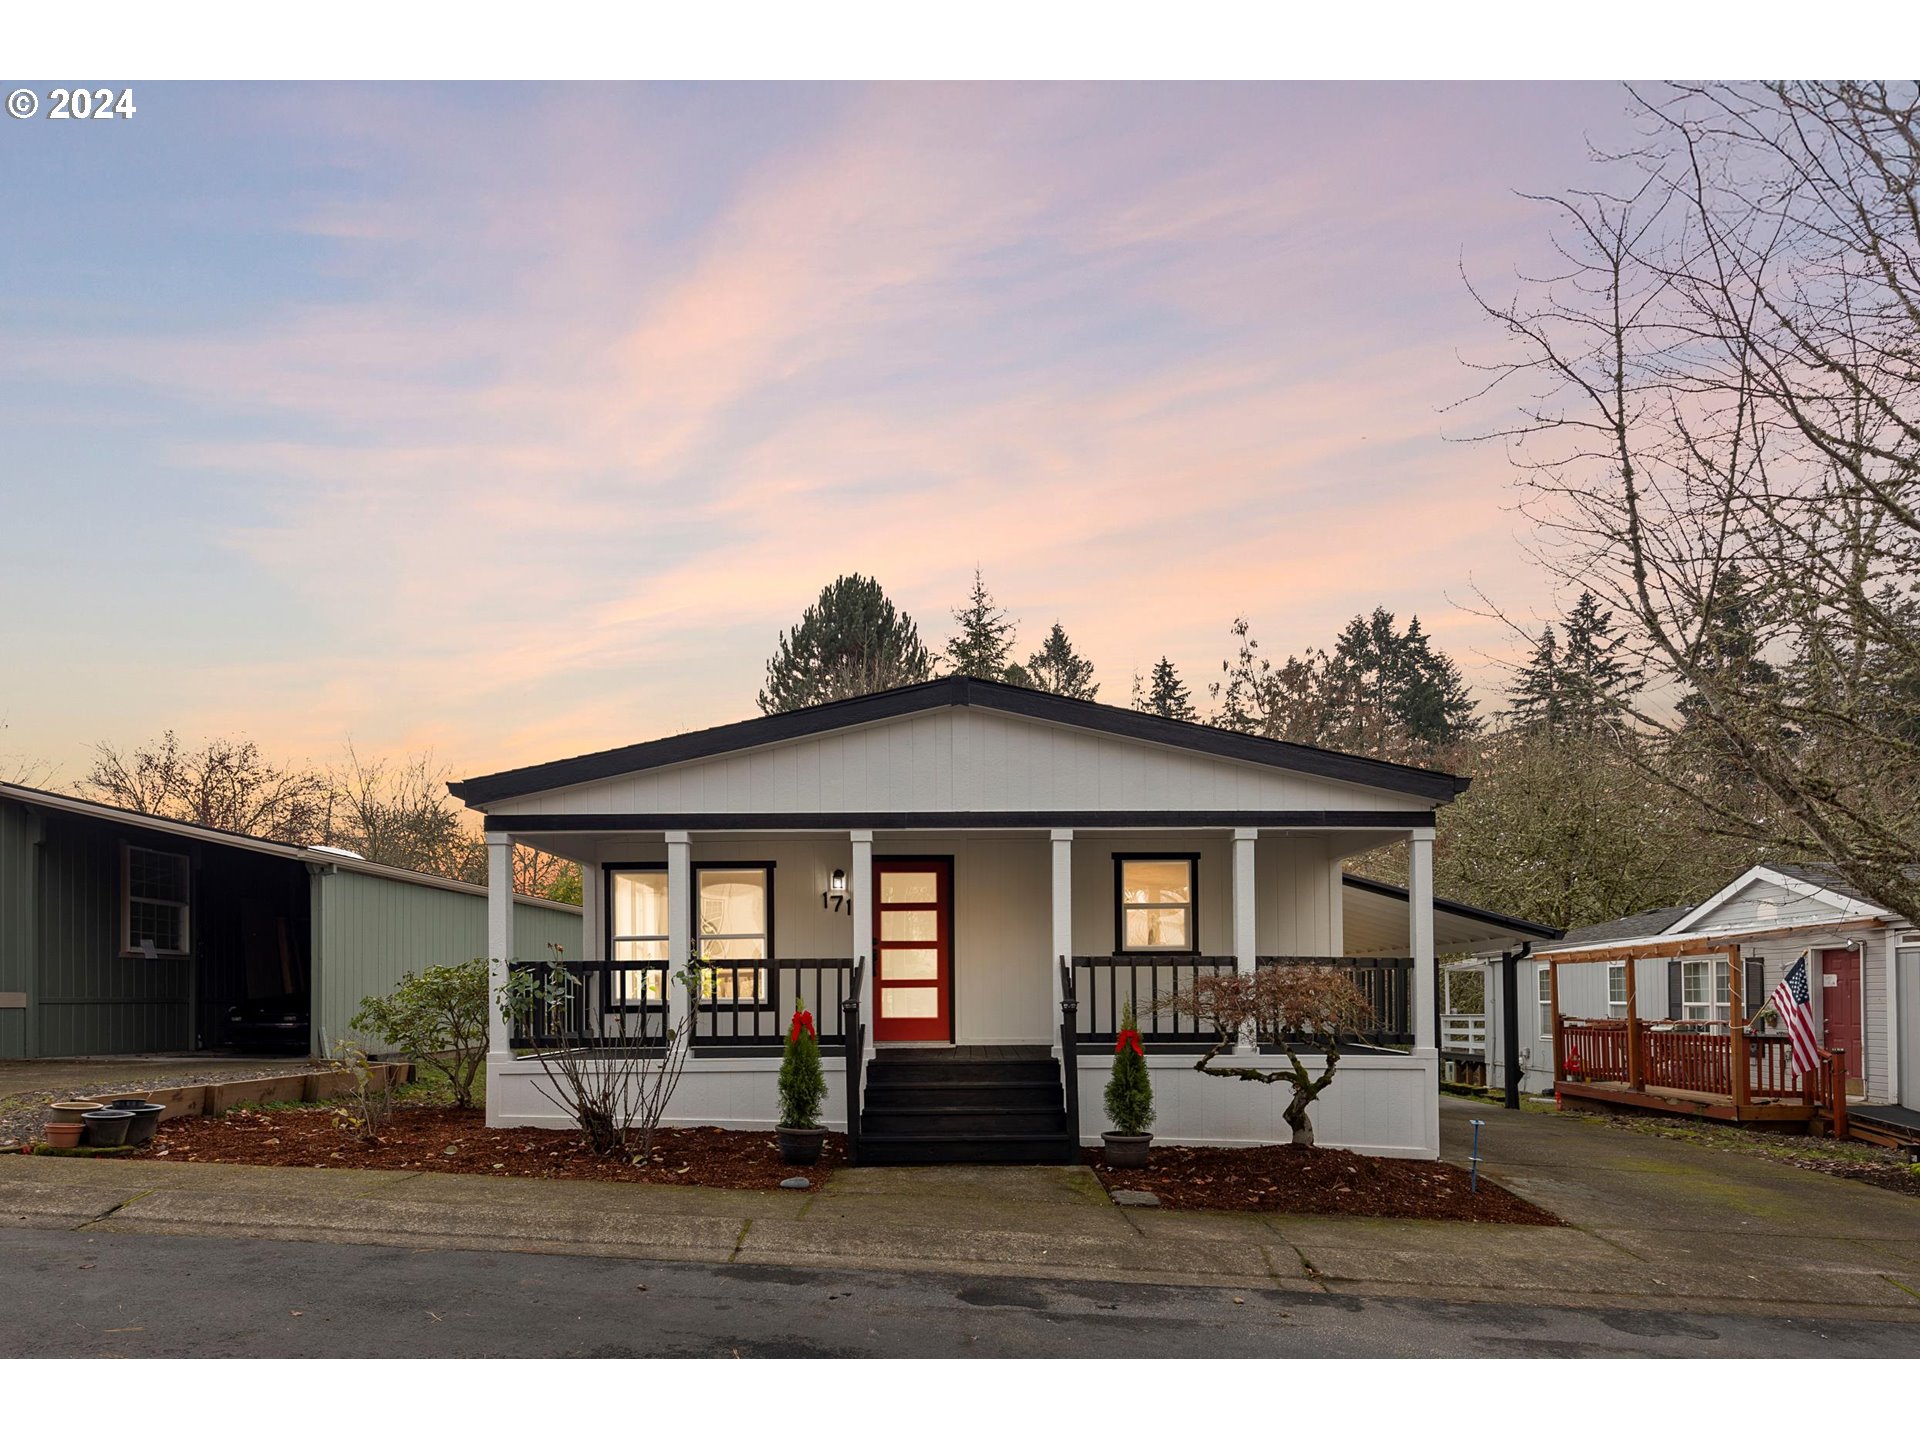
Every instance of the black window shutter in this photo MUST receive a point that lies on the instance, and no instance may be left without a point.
(1673, 989)
(1753, 983)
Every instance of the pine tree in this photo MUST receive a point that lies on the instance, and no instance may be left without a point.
(1597, 680)
(983, 647)
(1167, 695)
(1534, 699)
(1058, 669)
(851, 641)
(1730, 643)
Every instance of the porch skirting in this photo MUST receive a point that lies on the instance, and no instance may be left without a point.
(1377, 1104)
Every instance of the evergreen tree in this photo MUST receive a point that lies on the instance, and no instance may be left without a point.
(1535, 702)
(851, 641)
(1577, 683)
(1730, 644)
(983, 647)
(1166, 694)
(1058, 669)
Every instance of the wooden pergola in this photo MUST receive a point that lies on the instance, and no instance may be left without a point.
(1694, 1072)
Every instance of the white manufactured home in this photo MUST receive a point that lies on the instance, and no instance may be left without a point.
(988, 874)
(1863, 965)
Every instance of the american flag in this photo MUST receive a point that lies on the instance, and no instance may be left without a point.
(1791, 1002)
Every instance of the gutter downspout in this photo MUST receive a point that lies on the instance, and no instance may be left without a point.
(1509, 1022)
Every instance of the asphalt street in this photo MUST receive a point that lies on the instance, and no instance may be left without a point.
(103, 1294)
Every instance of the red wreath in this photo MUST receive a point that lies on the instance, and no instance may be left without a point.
(802, 1020)
(1129, 1040)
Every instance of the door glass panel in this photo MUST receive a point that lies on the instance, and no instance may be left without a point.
(909, 925)
(1157, 930)
(909, 964)
(920, 1002)
(909, 887)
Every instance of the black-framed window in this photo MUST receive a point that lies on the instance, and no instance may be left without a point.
(733, 926)
(1156, 904)
(156, 891)
(637, 931)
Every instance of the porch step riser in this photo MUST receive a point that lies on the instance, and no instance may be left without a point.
(963, 1097)
(961, 1122)
(943, 1072)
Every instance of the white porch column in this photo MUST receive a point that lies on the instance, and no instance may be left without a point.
(1420, 937)
(859, 884)
(499, 939)
(1243, 902)
(680, 902)
(1062, 922)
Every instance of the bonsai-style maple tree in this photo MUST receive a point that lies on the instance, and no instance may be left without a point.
(1297, 1007)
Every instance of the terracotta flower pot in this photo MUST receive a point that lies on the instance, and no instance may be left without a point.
(64, 1134)
(74, 1111)
(1125, 1152)
(800, 1147)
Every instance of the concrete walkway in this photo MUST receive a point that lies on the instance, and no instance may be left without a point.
(1654, 1224)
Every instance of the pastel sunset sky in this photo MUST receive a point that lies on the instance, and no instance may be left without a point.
(513, 422)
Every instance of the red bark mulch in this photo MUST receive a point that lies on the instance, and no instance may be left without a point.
(1296, 1180)
(421, 1137)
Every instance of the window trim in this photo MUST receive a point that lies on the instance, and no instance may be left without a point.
(1120, 906)
(607, 871)
(1617, 967)
(1543, 1000)
(766, 988)
(1717, 1013)
(130, 951)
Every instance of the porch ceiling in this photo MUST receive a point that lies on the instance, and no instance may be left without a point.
(1375, 923)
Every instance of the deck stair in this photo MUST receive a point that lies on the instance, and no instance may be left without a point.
(974, 1104)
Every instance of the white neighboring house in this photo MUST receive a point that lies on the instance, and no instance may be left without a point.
(1863, 965)
(983, 851)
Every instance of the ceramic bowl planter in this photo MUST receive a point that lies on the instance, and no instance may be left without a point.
(74, 1111)
(798, 1146)
(107, 1128)
(1125, 1152)
(64, 1134)
(146, 1117)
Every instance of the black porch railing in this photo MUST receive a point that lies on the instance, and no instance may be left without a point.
(604, 1000)
(1105, 984)
(1070, 1059)
(1387, 982)
(854, 1030)
(736, 1004)
(745, 1003)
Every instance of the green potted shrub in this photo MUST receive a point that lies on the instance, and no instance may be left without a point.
(803, 1088)
(1129, 1100)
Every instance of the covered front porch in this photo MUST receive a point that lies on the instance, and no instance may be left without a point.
(982, 946)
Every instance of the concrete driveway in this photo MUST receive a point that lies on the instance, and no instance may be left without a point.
(1696, 1220)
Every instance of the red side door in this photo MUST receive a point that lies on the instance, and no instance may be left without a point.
(1840, 1011)
(913, 950)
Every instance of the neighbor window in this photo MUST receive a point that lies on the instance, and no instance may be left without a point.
(734, 907)
(1156, 903)
(637, 928)
(1703, 990)
(1543, 978)
(1616, 989)
(154, 888)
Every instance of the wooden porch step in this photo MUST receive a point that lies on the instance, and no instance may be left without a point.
(1001, 1120)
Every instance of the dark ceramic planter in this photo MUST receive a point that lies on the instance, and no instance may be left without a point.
(1125, 1152)
(146, 1118)
(107, 1127)
(799, 1147)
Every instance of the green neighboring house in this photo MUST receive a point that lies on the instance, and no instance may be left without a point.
(122, 933)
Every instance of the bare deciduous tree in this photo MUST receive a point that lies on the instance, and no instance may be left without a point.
(226, 784)
(1721, 417)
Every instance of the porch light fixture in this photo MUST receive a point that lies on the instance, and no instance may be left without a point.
(835, 895)
(838, 885)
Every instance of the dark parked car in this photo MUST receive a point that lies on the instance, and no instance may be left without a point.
(269, 1022)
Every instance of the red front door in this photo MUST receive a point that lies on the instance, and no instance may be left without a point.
(912, 950)
(1840, 1011)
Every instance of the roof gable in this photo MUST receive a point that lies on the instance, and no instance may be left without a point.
(960, 693)
(1765, 896)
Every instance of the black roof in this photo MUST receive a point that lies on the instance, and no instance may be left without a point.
(1630, 927)
(1456, 907)
(1433, 785)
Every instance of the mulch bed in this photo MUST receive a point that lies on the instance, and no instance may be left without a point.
(455, 1142)
(1299, 1181)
